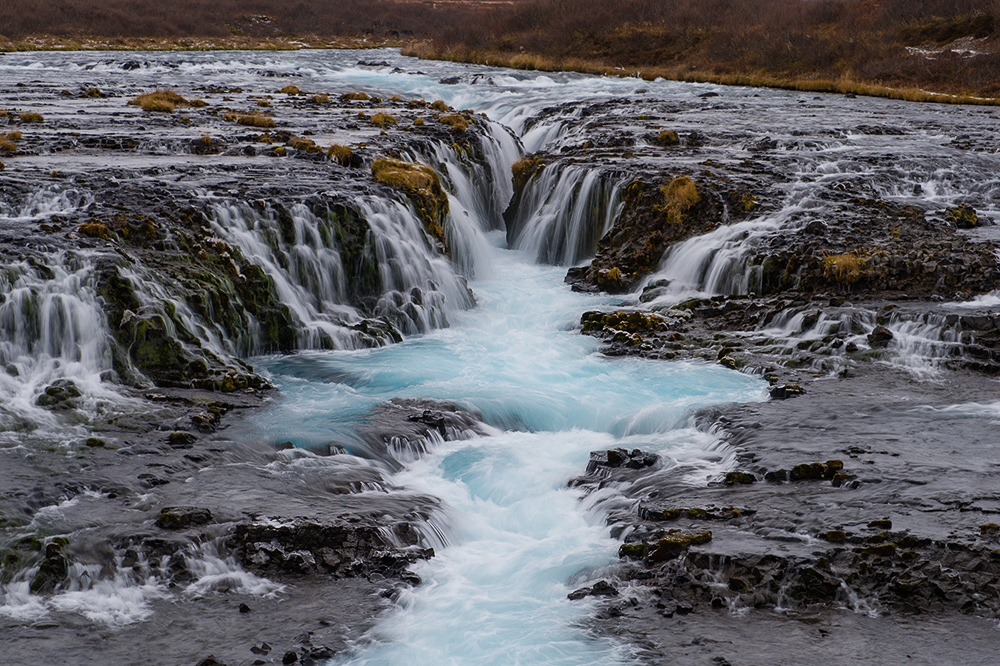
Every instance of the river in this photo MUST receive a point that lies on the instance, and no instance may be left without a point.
(490, 327)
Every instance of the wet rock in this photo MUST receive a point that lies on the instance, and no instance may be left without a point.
(53, 568)
(61, 394)
(179, 518)
(879, 337)
(807, 472)
(962, 217)
(617, 458)
(785, 391)
(343, 549)
(601, 588)
(739, 479)
(211, 660)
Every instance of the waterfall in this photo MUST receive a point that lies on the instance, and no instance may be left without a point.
(563, 212)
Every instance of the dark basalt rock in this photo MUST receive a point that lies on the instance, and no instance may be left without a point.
(61, 394)
(601, 588)
(342, 549)
(617, 458)
(879, 337)
(179, 518)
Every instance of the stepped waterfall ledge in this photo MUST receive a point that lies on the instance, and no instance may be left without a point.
(344, 357)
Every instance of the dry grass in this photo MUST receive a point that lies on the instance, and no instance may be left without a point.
(303, 144)
(456, 121)
(341, 154)
(524, 169)
(290, 90)
(163, 101)
(844, 268)
(667, 138)
(423, 186)
(31, 117)
(355, 97)
(679, 196)
(383, 120)
(250, 119)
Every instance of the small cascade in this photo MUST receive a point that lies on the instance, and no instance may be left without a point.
(562, 213)
(419, 285)
(55, 349)
(44, 203)
(298, 250)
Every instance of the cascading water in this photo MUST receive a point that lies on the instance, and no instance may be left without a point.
(511, 538)
(562, 213)
(497, 592)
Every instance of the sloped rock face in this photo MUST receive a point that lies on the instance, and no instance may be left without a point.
(653, 218)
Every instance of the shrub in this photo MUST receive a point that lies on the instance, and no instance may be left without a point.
(439, 105)
(419, 121)
(31, 117)
(163, 101)
(844, 268)
(341, 154)
(667, 138)
(456, 121)
(320, 99)
(679, 196)
(290, 90)
(263, 103)
(355, 97)
(382, 119)
(6, 145)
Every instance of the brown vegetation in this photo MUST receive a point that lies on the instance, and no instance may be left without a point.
(250, 119)
(859, 46)
(899, 48)
(163, 101)
(341, 154)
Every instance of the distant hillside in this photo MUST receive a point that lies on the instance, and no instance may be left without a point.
(942, 45)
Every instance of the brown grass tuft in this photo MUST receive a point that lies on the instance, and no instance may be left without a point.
(456, 121)
(382, 120)
(844, 268)
(250, 119)
(163, 101)
(31, 117)
(341, 154)
(679, 196)
(290, 90)
(355, 97)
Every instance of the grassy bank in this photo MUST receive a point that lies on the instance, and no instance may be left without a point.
(844, 84)
(918, 50)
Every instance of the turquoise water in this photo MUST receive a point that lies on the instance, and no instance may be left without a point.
(515, 539)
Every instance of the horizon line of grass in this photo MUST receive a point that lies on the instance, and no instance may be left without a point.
(843, 85)
(514, 60)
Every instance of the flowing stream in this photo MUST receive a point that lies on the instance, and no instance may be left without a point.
(513, 540)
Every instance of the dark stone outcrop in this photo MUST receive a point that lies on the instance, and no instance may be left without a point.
(341, 548)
